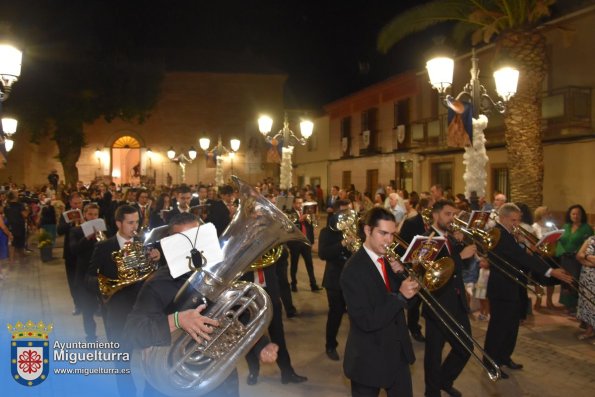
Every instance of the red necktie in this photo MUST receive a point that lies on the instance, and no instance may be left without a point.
(260, 277)
(384, 273)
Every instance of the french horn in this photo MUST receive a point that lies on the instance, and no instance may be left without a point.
(187, 368)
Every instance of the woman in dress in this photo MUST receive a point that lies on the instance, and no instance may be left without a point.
(576, 231)
(586, 310)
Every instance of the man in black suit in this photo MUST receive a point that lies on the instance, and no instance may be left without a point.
(504, 294)
(378, 350)
(82, 247)
(121, 302)
(218, 211)
(413, 226)
(440, 375)
(183, 197)
(267, 279)
(333, 249)
(330, 202)
(143, 203)
(75, 203)
(297, 248)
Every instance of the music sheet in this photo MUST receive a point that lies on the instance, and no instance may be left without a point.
(177, 247)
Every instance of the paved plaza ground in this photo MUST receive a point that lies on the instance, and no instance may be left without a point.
(556, 363)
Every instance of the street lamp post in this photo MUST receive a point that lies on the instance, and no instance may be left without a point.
(182, 159)
(10, 70)
(265, 125)
(219, 150)
(9, 127)
(440, 71)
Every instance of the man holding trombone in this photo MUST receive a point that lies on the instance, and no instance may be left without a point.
(440, 375)
(378, 351)
(503, 292)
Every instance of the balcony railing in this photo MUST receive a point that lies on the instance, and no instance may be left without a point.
(566, 114)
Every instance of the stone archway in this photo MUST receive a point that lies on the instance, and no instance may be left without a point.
(126, 160)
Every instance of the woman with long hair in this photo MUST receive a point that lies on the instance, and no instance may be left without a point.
(576, 231)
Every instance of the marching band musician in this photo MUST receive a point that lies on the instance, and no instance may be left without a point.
(153, 317)
(267, 279)
(75, 203)
(332, 248)
(378, 351)
(221, 211)
(143, 203)
(82, 248)
(440, 375)
(503, 292)
(121, 302)
(297, 248)
(411, 227)
(183, 198)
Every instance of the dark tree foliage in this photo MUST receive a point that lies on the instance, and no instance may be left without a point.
(78, 66)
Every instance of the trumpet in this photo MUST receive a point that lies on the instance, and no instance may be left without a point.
(437, 273)
(544, 253)
(310, 208)
(486, 242)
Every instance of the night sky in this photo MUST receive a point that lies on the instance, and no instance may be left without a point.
(328, 48)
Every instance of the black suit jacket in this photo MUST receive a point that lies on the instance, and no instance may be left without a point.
(412, 227)
(82, 248)
(452, 295)
(501, 286)
(308, 225)
(335, 255)
(218, 215)
(120, 304)
(378, 336)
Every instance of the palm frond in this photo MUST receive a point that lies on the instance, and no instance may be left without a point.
(422, 17)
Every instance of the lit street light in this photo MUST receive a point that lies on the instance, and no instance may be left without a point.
(265, 125)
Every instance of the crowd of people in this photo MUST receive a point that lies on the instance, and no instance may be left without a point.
(362, 278)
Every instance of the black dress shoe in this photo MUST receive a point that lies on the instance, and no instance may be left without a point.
(316, 288)
(418, 337)
(252, 379)
(512, 365)
(76, 311)
(292, 378)
(292, 313)
(293, 288)
(332, 354)
(451, 391)
(503, 374)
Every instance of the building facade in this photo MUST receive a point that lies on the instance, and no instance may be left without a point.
(395, 131)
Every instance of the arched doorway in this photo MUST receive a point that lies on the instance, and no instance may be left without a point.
(126, 160)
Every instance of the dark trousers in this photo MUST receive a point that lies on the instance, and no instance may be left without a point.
(336, 309)
(284, 290)
(401, 388)
(277, 335)
(442, 374)
(413, 317)
(70, 266)
(230, 387)
(301, 249)
(503, 330)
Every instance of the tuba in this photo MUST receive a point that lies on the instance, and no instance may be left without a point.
(187, 368)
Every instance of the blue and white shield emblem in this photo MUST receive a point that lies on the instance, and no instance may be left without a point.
(30, 364)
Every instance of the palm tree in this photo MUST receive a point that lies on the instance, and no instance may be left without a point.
(511, 24)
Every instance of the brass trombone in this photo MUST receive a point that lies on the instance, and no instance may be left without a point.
(486, 242)
(543, 251)
(437, 275)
